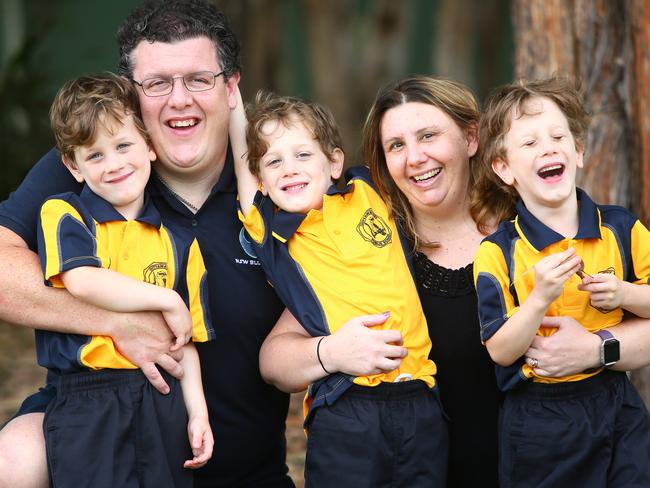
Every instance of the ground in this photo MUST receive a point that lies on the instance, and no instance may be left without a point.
(20, 376)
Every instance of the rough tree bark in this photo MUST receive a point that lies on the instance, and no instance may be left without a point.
(604, 44)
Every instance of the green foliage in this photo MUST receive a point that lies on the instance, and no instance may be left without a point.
(24, 102)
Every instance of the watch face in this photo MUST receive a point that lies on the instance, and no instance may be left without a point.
(611, 352)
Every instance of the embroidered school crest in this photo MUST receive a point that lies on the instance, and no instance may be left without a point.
(374, 229)
(156, 274)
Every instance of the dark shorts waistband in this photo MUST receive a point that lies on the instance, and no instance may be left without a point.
(389, 391)
(104, 378)
(569, 389)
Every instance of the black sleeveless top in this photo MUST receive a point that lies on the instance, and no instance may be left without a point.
(465, 372)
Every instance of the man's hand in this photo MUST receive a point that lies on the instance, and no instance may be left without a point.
(358, 350)
(571, 350)
(145, 339)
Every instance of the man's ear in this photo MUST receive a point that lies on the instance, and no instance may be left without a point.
(72, 167)
(336, 163)
(152, 154)
(231, 89)
(502, 170)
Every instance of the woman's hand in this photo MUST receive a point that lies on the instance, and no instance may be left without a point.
(571, 350)
(358, 350)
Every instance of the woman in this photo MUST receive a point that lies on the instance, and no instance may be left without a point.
(420, 140)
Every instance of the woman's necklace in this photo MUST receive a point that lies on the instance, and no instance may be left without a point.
(188, 204)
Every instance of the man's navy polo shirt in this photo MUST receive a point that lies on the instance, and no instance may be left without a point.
(247, 416)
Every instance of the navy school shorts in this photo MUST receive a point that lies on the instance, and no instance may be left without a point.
(393, 434)
(111, 428)
(593, 433)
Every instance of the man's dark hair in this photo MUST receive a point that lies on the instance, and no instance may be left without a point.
(178, 20)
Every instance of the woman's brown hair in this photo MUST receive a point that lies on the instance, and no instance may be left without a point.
(459, 103)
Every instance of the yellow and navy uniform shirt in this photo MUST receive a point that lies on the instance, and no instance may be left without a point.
(344, 261)
(86, 230)
(609, 240)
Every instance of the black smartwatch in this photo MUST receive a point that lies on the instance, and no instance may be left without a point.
(610, 351)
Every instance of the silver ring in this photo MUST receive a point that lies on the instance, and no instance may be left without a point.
(533, 363)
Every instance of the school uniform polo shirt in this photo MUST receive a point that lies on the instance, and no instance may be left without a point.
(247, 415)
(609, 240)
(340, 262)
(86, 230)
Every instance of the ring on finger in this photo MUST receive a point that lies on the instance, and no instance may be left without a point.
(532, 362)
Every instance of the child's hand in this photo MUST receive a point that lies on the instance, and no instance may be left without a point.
(552, 272)
(179, 321)
(607, 291)
(201, 440)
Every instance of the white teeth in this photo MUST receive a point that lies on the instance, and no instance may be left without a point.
(427, 175)
(553, 168)
(182, 123)
(550, 171)
(295, 187)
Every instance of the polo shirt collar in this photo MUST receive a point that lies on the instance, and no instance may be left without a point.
(333, 190)
(102, 211)
(540, 236)
(285, 224)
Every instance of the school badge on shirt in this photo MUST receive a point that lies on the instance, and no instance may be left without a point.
(374, 229)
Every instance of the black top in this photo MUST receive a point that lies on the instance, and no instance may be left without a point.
(247, 416)
(465, 372)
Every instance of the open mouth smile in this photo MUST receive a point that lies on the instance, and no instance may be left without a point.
(181, 124)
(551, 171)
(428, 175)
(295, 187)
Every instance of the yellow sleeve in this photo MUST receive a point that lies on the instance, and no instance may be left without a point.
(197, 290)
(640, 250)
(64, 242)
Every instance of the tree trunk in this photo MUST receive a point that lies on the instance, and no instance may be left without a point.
(604, 44)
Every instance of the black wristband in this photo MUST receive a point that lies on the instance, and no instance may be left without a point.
(318, 355)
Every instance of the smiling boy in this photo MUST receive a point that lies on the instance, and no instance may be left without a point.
(332, 255)
(107, 426)
(562, 255)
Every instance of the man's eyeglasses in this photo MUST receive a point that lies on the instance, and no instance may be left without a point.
(159, 86)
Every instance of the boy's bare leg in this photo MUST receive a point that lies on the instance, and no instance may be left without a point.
(22, 453)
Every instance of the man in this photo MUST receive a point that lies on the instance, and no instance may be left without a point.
(163, 45)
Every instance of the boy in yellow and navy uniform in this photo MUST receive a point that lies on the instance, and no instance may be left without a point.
(332, 255)
(561, 255)
(107, 426)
